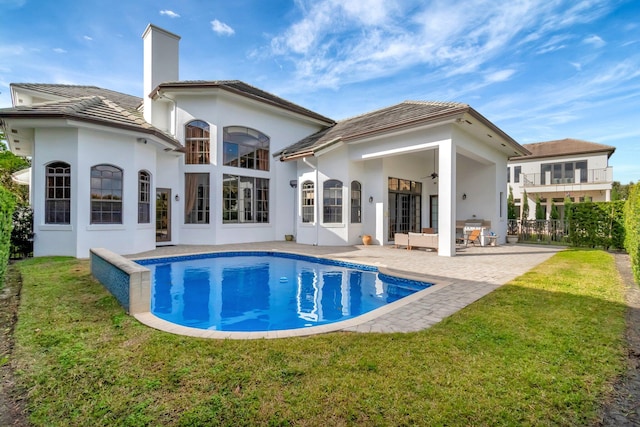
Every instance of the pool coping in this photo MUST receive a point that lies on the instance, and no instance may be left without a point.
(149, 319)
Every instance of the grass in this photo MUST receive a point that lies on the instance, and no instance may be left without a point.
(541, 350)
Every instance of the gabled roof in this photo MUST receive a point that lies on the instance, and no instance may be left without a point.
(404, 115)
(564, 147)
(120, 112)
(243, 89)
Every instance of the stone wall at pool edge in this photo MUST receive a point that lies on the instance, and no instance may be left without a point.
(129, 282)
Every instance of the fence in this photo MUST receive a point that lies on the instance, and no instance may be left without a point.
(540, 230)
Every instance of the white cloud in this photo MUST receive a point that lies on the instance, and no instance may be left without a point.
(169, 13)
(337, 42)
(499, 76)
(59, 50)
(595, 41)
(576, 65)
(221, 28)
(88, 38)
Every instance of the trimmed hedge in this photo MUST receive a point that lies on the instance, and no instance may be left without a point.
(7, 206)
(632, 227)
(597, 224)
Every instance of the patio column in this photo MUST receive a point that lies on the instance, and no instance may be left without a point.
(446, 198)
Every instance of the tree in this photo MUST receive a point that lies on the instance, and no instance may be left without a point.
(539, 209)
(511, 205)
(525, 206)
(554, 214)
(10, 163)
(620, 191)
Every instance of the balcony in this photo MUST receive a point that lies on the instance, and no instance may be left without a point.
(580, 177)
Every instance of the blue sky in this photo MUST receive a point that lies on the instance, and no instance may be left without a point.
(539, 69)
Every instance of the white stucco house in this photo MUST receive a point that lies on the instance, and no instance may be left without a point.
(214, 162)
(557, 170)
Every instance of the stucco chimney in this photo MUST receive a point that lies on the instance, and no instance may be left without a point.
(160, 63)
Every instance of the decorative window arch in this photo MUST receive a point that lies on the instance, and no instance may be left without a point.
(246, 148)
(57, 205)
(332, 201)
(356, 202)
(197, 142)
(106, 194)
(144, 197)
(308, 201)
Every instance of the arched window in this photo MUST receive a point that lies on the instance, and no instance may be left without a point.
(356, 202)
(106, 195)
(144, 197)
(332, 201)
(308, 201)
(245, 148)
(57, 205)
(197, 142)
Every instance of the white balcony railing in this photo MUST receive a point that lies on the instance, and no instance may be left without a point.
(589, 176)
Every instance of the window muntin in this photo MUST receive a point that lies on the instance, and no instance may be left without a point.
(356, 202)
(332, 201)
(106, 194)
(245, 199)
(144, 197)
(197, 143)
(196, 205)
(245, 148)
(57, 193)
(308, 201)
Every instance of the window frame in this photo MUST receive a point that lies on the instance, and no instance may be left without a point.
(113, 201)
(200, 210)
(307, 202)
(57, 193)
(198, 147)
(245, 199)
(332, 201)
(144, 197)
(256, 144)
(356, 202)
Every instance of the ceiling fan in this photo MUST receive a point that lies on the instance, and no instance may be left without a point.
(434, 175)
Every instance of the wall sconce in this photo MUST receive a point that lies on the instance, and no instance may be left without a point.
(177, 198)
(293, 183)
(464, 196)
(370, 199)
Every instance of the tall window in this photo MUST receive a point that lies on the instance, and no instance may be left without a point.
(58, 193)
(517, 170)
(245, 148)
(245, 199)
(196, 193)
(332, 201)
(508, 174)
(197, 142)
(356, 202)
(308, 201)
(144, 197)
(106, 195)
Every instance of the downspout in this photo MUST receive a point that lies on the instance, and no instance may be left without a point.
(315, 204)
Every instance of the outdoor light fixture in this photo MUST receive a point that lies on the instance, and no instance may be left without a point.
(177, 198)
(370, 199)
(464, 196)
(293, 183)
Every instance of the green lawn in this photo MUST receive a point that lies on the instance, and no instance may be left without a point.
(542, 350)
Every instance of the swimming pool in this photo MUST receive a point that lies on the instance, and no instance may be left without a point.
(267, 291)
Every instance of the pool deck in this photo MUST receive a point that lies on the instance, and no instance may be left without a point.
(471, 274)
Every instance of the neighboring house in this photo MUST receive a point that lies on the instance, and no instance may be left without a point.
(557, 170)
(213, 162)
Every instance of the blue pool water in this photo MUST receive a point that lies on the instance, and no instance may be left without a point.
(266, 291)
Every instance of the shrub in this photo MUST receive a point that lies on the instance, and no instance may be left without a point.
(7, 205)
(597, 224)
(22, 234)
(632, 229)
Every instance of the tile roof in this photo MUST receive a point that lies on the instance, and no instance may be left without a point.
(89, 104)
(405, 114)
(78, 91)
(243, 89)
(564, 147)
